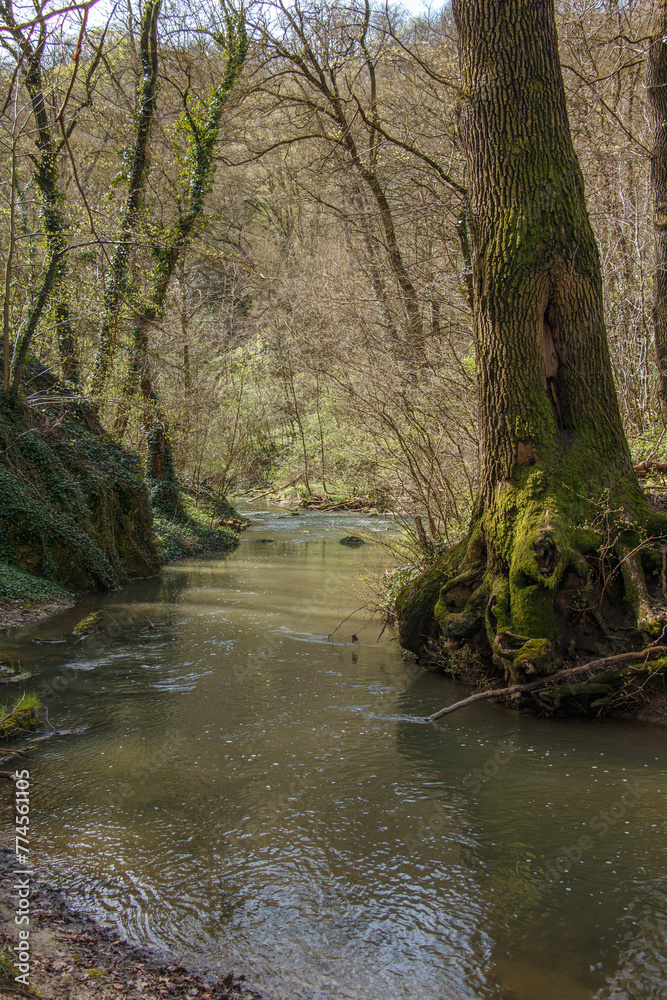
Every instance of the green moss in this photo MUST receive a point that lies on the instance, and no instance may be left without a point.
(88, 624)
(498, 616)
(464, 624)
(534, 657)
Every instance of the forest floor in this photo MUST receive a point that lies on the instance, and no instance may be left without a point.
(73, 958)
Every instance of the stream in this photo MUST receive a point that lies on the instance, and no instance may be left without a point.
(248, 787)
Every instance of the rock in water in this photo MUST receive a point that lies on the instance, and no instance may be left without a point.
(353, 541)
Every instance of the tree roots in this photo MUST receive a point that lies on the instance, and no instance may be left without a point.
(640, 666)
(535, 590)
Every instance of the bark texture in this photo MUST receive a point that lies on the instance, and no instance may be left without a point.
(656, 86)
(545, 378)
(558, 504)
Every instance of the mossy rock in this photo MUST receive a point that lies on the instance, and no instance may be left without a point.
(352, 541)
(89, 624)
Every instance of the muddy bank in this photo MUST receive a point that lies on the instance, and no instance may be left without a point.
(15, 615)
(73, 958)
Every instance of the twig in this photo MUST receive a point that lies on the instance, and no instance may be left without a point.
(593, 666)
(48, 721)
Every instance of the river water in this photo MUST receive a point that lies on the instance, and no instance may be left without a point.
(248, 787)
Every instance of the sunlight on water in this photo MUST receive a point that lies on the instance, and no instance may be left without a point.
(249, 787)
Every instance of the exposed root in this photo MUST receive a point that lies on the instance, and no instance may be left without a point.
(545, 578)
(651, 618)
(592, 668)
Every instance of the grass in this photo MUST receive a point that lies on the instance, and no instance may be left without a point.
(6, 964)
(19, 715)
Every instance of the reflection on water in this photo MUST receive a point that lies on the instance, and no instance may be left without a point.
(251, 788)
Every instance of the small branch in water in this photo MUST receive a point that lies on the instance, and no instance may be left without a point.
(49, 723)
(592, 667)
(347, 618)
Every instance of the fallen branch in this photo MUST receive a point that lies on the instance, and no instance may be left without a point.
(592, 667)
(266, 493)
(648, 466)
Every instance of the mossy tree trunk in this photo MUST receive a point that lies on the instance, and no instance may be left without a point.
(117, 277)
(557, 489)
(656, 86)
(203, 125)
(29, 56)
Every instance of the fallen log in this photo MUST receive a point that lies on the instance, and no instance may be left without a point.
(592, 667)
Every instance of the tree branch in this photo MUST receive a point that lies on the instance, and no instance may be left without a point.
(593, 667)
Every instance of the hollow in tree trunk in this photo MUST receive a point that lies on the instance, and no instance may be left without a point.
(561, 528)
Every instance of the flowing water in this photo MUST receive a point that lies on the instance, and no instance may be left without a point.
(248, 787)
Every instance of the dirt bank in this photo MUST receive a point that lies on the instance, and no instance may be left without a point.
(15, 615)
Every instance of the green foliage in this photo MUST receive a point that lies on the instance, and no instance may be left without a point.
(74, 504)
(6, 964)
(395, 580)
(650, 441)
(24, 588)
(163, 486)
(201, 528)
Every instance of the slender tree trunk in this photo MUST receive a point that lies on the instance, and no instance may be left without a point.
(375, 274)
(557, 487)
(656, 85)
(53, 221)
(120, 262)
(9, 261)
(203, 140)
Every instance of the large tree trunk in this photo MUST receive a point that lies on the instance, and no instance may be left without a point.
(556, 485)
(656, 85)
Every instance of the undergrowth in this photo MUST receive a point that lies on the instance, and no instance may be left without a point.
(18, 587)
(75, 507)
(207, 524)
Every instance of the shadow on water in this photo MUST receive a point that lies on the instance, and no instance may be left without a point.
(560, 824)
(250, 786)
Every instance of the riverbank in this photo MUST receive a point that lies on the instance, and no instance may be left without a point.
(73, 958)
(208, 525)
(16, 615)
